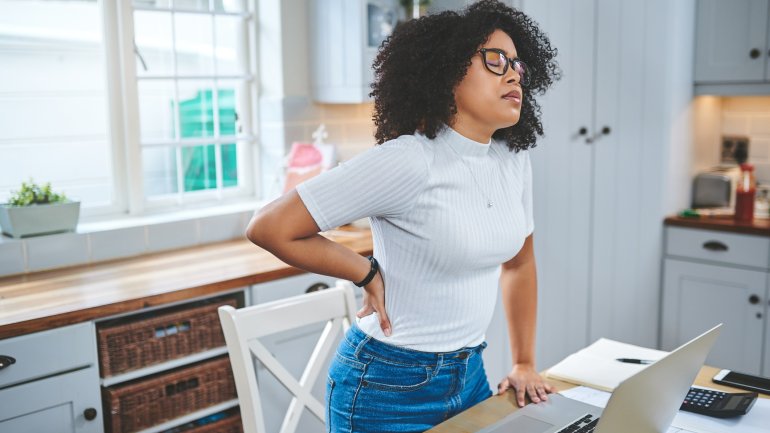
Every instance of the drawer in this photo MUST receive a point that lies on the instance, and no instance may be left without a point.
(48, 352)
(729, 248)
(129, 343)
(141, 404)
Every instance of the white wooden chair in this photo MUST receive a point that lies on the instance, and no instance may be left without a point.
(243, 328)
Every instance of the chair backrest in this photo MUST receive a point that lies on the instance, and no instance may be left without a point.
(243, 327)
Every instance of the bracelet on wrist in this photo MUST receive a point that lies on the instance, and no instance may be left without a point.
(372, 272)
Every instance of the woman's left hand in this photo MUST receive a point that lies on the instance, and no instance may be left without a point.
(524, 379)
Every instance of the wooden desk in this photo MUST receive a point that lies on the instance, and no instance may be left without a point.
(498, 406)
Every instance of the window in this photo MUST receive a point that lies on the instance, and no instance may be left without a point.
(174, 79)
(54, 100)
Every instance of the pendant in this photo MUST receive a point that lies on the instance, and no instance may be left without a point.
(489, 204)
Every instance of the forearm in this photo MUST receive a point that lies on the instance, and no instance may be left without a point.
(519, 295)
(320, 255)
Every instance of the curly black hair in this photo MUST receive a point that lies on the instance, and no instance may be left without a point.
(418, 67)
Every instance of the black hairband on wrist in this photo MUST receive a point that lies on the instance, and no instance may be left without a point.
(372, 272)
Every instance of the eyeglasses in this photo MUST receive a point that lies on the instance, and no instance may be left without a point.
(497, 63)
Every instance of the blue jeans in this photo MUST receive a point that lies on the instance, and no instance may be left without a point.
(377, 387)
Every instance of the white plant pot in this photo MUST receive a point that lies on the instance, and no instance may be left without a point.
(39, 219)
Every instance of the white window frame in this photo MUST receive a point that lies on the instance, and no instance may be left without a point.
(127, 146)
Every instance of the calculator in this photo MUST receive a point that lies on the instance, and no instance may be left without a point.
(717, 403)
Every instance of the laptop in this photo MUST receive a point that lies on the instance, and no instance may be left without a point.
(646, 402)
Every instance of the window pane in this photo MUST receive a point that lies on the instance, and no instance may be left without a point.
(231, 97)
(194, 45)
(229, 34)
(229, 165)
(154, 45)
(201, 5)
(156, 110)
(54, 123)
(159, 165)
(229, 5)
(196, 109)
(199, 165)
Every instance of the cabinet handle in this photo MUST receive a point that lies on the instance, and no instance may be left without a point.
(90, 414)
(317, 287)
(605, 131)
(753, 299)
(754, 53)
(583, 131)
(715, 246)
(6, 361)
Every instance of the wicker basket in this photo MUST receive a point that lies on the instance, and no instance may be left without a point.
(126, 345)
(230, 424)
(138, 405)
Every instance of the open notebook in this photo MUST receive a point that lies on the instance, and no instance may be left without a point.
(597, 365)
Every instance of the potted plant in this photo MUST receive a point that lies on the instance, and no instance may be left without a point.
(36, 210)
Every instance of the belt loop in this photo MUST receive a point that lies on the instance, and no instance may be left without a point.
(361, 345)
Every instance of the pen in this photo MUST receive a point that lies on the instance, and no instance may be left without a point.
(635, 361)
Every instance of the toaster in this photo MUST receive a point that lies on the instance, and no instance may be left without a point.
(715, 188)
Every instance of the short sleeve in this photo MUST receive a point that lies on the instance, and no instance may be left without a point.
(527, 194)
(382, 181)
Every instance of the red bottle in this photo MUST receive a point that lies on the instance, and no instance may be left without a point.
(745, 194)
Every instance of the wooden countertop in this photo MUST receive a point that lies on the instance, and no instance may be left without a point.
(45, 300)
(759, 227)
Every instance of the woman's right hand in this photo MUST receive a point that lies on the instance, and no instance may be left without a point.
(374, 301)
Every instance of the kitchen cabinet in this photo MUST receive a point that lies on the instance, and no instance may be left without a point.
(603, 171)
(162, 347)
(53, 385)
(732, 54)
(712, 277)
(345, 36)
(65, 403)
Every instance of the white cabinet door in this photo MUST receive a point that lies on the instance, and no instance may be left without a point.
(698, 296)
(731, 41)
(634, 92)
(562, 164)
(600, 195)
(68, 403)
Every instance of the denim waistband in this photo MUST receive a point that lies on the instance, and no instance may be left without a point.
(362, 342)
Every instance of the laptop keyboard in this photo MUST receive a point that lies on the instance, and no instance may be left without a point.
(587, 424)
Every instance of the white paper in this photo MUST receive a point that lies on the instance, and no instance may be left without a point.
(597, 365)
(756, 421)
(588, 395)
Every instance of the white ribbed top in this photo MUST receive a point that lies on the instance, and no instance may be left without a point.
(438, 243)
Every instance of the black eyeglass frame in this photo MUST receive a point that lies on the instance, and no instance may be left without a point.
(524, 81)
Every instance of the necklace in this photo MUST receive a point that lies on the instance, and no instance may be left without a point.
(478, 185)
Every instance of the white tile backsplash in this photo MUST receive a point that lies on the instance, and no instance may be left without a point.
(735, 125)
(114, 244)
(223, 227)
(55, 251)
(750, 116)
(167, 236)
(759, 124)
(11, 256)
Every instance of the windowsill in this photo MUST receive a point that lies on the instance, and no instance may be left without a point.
(105, 238)
(98, 224)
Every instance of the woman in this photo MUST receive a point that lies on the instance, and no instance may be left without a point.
(449, 196)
